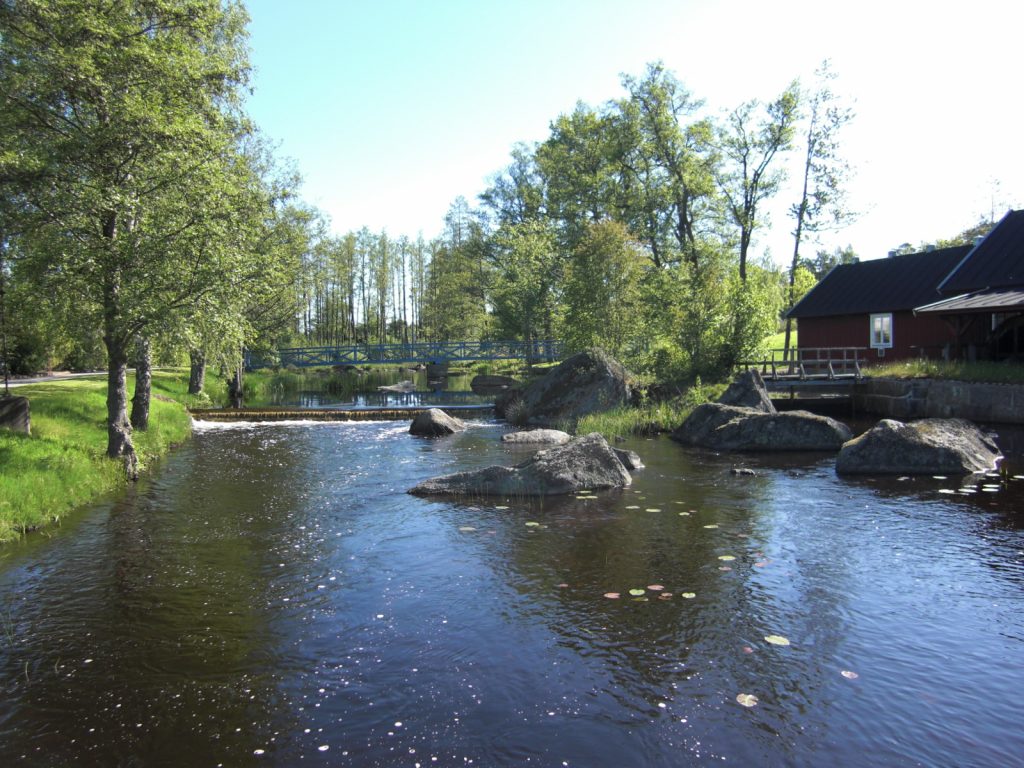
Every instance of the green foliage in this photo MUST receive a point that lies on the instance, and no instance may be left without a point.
(527, 271)
(650, 418)
(602, 292)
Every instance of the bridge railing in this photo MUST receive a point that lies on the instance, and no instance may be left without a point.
(808, 363)
(420, 352)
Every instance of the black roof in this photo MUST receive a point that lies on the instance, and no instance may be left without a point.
(881, 285)
(997, 261)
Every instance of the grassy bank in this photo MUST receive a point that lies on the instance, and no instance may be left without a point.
(991, 373)
(63, 464)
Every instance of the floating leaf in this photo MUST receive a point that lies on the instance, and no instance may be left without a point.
(641, 600)
(747, 699)
(562, 586)
(636, 592)
(688, 595)
(776, 640)
(633, 506)
(655, 587)
(946, 490)
(939, 477)
(467, 529)
(761, 564)
(501, 506)
(711, 526)
(612, 595)
(684, 514)
(747, 649)
(678, 502)
(726, 558)
(724, 568)
(665, 596)
(532, 524)
(653, 509)
(849, 675)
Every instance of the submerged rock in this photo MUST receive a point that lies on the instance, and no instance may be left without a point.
(586, 462)
(630, 459)
(538, 437)
(435, 423)
(588, 382)
(492, 384)
(731, 428)
(925, 447)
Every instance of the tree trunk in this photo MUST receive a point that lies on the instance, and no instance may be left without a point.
(143, 384)
(119, 429)
(197, 371)
(235, 388)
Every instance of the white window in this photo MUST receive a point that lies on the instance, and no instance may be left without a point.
(881, 331)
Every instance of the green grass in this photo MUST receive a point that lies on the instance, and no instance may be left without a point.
(650, 418)
(995, 373)
(63, 464)
(778, 340)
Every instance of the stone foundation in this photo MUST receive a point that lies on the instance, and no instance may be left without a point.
(905, 399)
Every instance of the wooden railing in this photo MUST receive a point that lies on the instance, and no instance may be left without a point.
(810, 364)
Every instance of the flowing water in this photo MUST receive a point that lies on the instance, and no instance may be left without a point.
(270, 595)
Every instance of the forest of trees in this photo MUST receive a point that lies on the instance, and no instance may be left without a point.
(143, 219)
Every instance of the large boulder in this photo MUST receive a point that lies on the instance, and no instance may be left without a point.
(491, 384)
(588, 382)
(435, 423)
(748, 391)
(586, 462)
(731, 428)
(925, 447)
(537, 437)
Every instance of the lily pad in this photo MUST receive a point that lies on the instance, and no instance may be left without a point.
(688, 595)
(849, 675)
(532, 524)
(684, 514)
(746, 699)
(637, 592)
(501, 506)
(711, 526)
(633, 506)
(776, 640)
(655, 587)
(612, 595)
(726, 558)
(653, 509)
(467, 528)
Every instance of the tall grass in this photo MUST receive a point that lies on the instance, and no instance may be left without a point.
(63, 464)
(649, 418)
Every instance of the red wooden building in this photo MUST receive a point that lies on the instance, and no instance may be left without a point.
(966, 301)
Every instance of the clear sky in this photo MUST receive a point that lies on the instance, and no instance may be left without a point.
(393, 108)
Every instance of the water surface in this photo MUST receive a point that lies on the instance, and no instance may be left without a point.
(272, 596)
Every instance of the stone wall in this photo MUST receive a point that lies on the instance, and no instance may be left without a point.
(14, 414)
(905, 399)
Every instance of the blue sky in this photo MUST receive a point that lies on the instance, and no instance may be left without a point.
(393, 108)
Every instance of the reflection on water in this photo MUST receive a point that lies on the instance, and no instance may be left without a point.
(272, 595)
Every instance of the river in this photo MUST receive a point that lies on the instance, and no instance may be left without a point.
(270, 595)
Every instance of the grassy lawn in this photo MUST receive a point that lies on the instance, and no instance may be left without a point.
(651, 418)
(63, 464)
(778, 341)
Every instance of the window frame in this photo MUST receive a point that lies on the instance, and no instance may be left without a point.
(886, 329)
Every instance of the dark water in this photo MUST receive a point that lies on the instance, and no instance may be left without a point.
(271, 596)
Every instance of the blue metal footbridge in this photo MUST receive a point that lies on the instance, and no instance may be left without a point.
(433, 352)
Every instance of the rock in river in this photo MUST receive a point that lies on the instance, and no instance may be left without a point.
(925, 447)
(435, 423)
(537, 437)
(731, 428)
(588, 382)
(586, 462)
